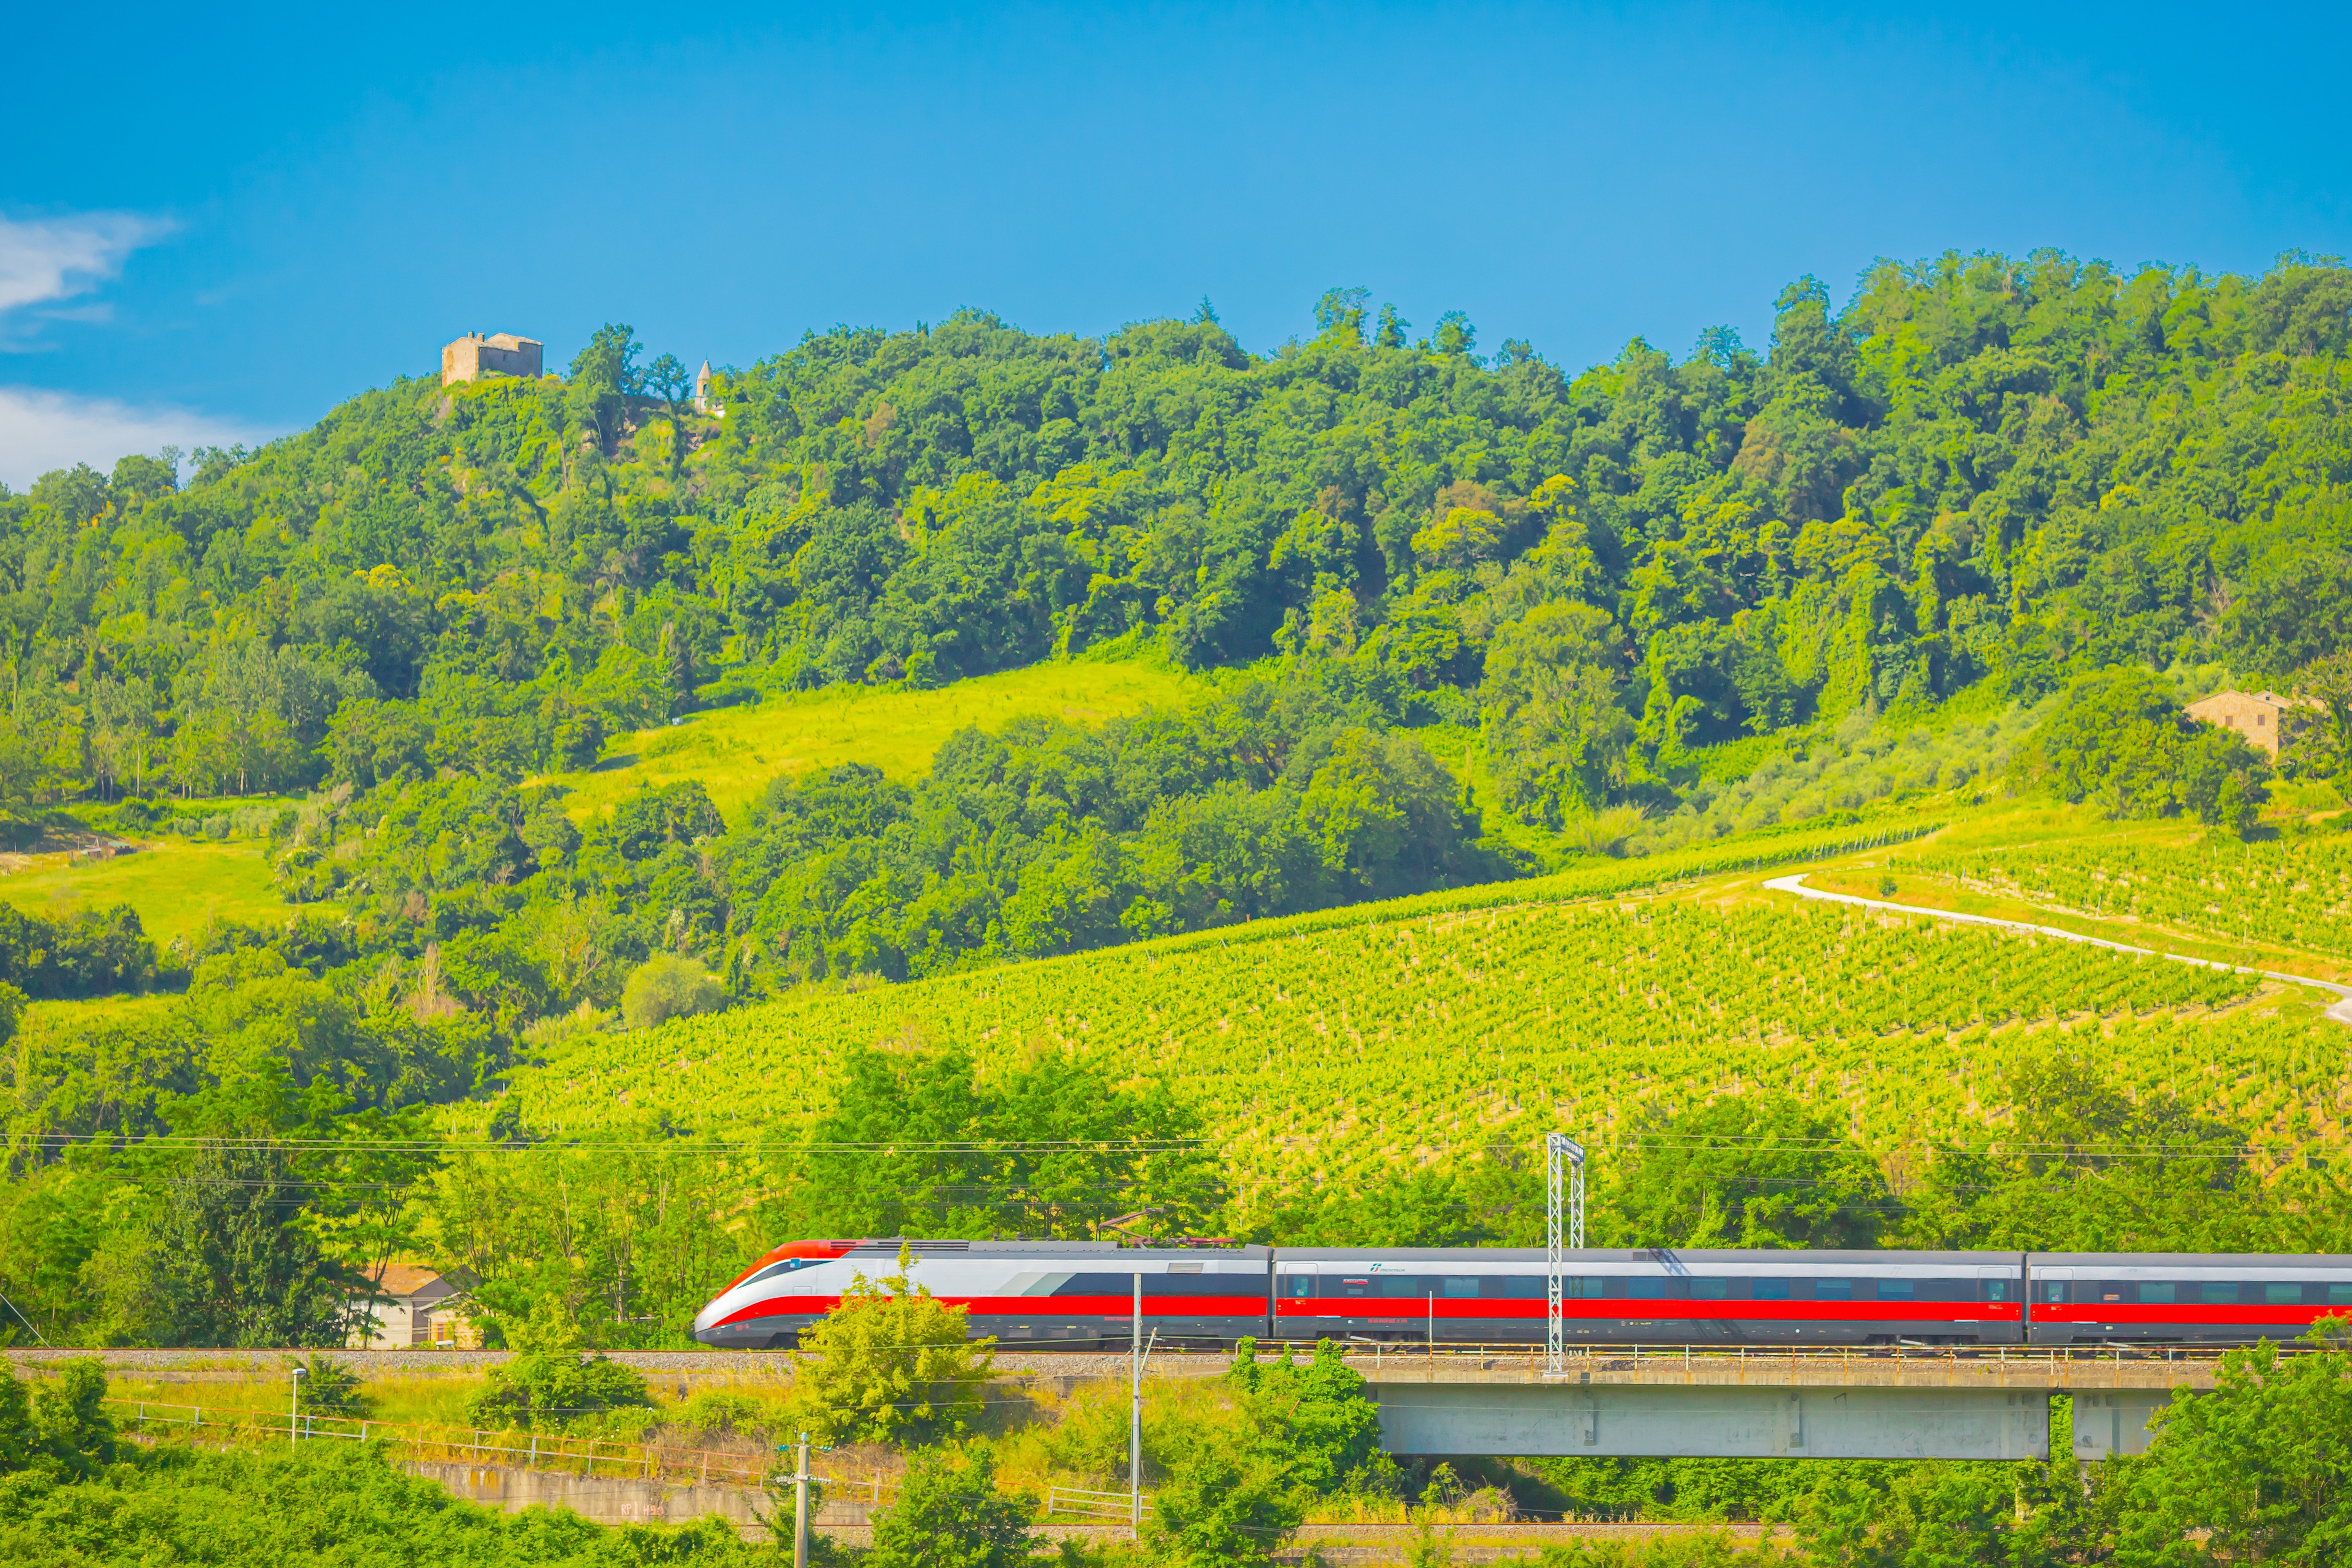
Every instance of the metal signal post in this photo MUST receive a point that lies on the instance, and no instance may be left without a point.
(1559, 1149)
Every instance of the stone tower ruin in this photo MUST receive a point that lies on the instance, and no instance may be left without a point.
(474, 356)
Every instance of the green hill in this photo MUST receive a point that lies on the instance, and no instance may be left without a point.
(1326, 1050)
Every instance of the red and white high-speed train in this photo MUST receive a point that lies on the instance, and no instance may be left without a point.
(1084, 1292)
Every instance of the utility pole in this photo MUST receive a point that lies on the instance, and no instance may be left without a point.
(799, 1506)
(294, 1411)
(1559, 1149)
(1135, 1422)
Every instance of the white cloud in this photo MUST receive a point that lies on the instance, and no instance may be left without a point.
(56, 258)
(44, 430)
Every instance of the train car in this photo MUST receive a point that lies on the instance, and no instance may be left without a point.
(1497, 1296)
(1080, 1293)
(2182, 1298)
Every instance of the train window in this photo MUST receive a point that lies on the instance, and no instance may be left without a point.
(2283, 1293)
(2156, 1291)
(1533, 1287)
(2053, 1290)
(1461, 1288)
(1946, 1291)
(1894, 1289)
(1591, 1287)
(1768, 1289)
(2339, 1293)
(1833, 1289)
(2218, 1290)
(1297, 1287)
(1996, 1290)
(1403, 1285)
(1710, 1289)
(1646, 1289)
(2114, 1290)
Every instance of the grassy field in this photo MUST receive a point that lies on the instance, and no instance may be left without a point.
(175, 884)
(1322, 1048)
(736, 751)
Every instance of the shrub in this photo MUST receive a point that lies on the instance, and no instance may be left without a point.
(950, 1512)
(667, 986)
(331, 1388)
(890, 1363)
(552, 1382)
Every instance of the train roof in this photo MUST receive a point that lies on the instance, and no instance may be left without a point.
(1107, 1252)
(2190, 1259)
(1686, 1255)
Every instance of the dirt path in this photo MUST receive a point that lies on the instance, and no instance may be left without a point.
(2341, 1012)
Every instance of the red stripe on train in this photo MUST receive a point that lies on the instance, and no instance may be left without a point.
(1401, 1309)
(1033, 1307)
(2179, 1313)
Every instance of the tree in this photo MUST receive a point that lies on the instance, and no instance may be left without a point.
(235, 1264)
(59, 1426)
(1751, 1169)
(2262, 1463)
(1220, 1508)
(603, 375)
(916, 1144)
(2083, 1166)
(890, 1363)
(2119, 739)
(667, 986)
(670, 380)
(2326, 746)
(1317, 1419)
(950, 1514)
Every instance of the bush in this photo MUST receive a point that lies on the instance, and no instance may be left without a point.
(950, 1512)
(890, 1363)
(722, 1410)
(667, 986)
(552, 1382)
(331, 1388)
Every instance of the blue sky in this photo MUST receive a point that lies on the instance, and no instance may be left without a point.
(216, 222)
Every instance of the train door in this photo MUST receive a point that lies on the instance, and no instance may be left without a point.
(2000, 1292)
(1296, 1304)
(2050, 1304)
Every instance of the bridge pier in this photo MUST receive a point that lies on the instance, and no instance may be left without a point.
(2115, 1421)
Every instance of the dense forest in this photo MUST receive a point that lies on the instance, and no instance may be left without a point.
(1464, 615)
(1615, 592)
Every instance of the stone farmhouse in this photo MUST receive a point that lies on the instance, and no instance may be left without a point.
(2264, 718)
(474, 356)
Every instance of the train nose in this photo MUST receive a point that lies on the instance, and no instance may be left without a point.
(706, 1322)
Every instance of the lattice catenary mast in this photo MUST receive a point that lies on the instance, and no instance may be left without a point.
(1559, 1149)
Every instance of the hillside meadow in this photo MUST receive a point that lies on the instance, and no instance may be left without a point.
(734, 752)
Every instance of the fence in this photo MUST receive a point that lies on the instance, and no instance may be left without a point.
(466, 1445)
(1116, 1506)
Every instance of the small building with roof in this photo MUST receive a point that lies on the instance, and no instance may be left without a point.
(2264, 718)
(414, 1307)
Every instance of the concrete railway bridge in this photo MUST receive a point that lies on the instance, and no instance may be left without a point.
(1703, 1402)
